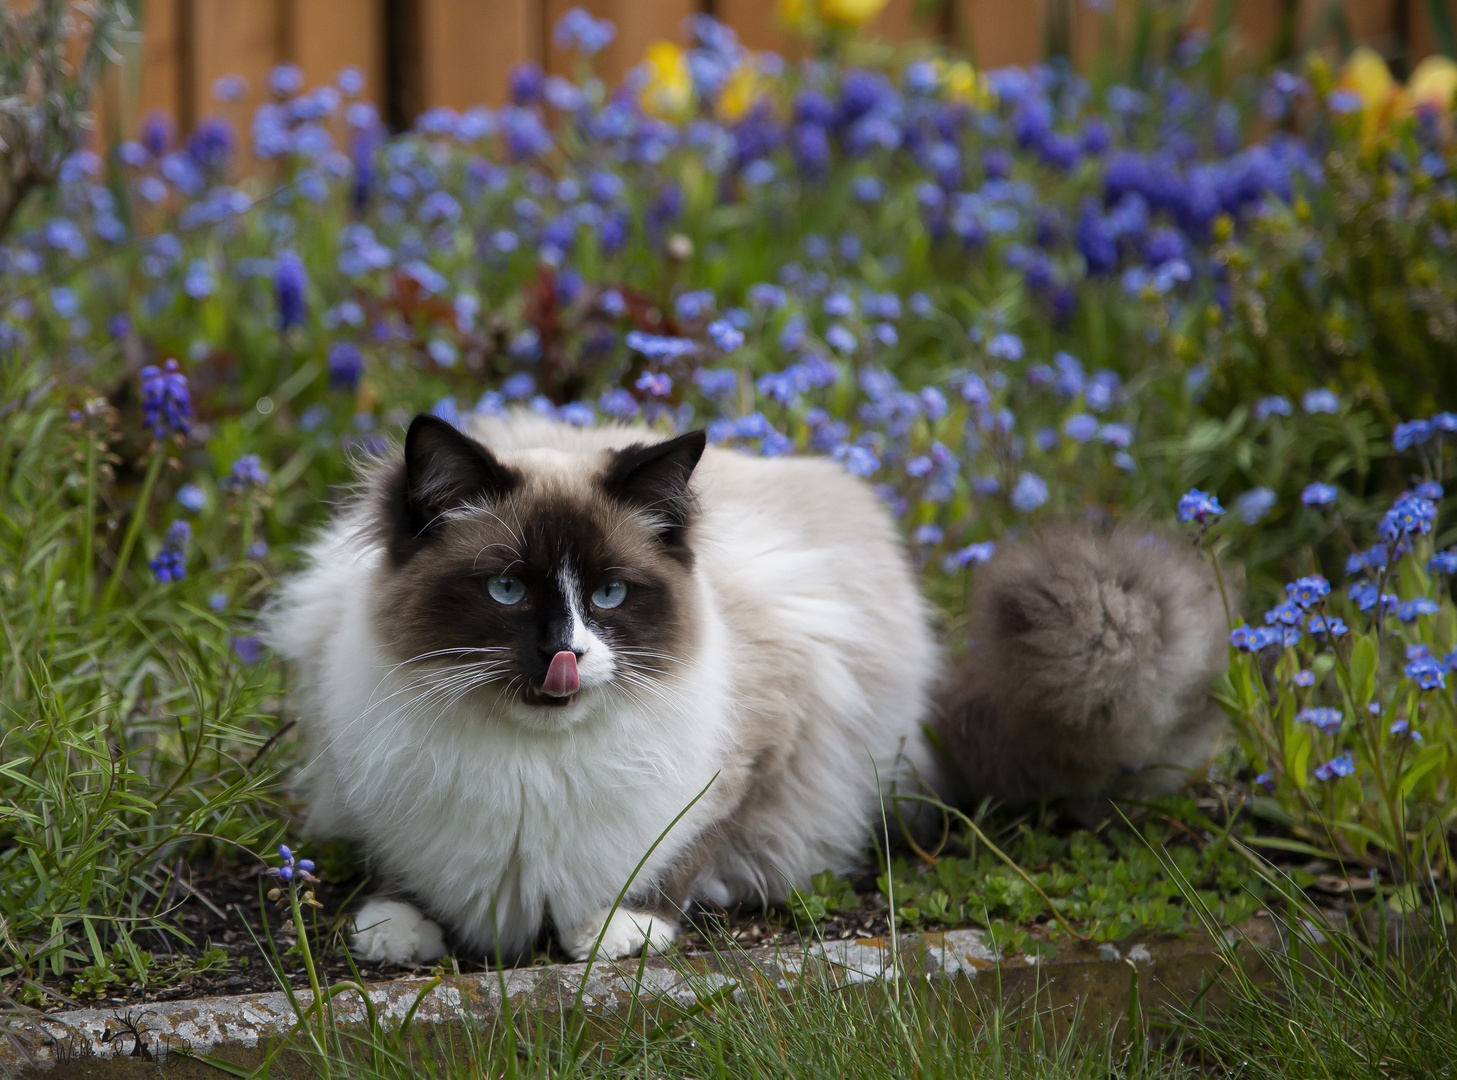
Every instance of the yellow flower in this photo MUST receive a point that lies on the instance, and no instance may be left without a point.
(668, 89)
(850, 13)
(1367, 76)
(797, 15)
(961, 82)
(1434, 83)
(745, 87)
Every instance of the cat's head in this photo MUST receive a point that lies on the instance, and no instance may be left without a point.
(543, 584)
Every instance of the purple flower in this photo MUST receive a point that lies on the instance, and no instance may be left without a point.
(840, 338)
(1198, 506)
(1272, 406)
(248, 648)
(247, 472)
(192, 497)
(971, 555)
(1286, 613)
(1304, 678)
(1429, 672)
(1327, 720)
(1344, 765)
(1410, 514)
(655, 384)
(1266, 781)
(725, 335)
(345, 364)
(170, 563)
(1005, 346)
(1412, 433)
(166, 401)
(1319, 494)
(1429, 489)
(1320, 401)
(1029, 493)
(290, 283)
(1410, 610)
(1320, 625)
(929, 534)
(1255, 504)
(1443, 562)
(1080, 427)
(1308, 591)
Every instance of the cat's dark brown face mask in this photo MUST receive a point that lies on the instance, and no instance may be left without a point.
(537, 586)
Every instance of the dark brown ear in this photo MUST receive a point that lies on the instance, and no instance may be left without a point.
(655, 478)
(442, 470)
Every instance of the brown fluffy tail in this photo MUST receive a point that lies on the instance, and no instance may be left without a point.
(1088, 669)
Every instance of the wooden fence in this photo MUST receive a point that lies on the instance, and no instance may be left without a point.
(417, 54)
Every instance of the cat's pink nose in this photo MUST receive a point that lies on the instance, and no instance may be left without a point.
(561, 677)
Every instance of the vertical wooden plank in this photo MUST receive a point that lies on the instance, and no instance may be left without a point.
(1421, 35)
(160, 82)
(1372, 22)
(998, 34)
(327, 35)
(231, 38)
(468, 48)
(758, 26)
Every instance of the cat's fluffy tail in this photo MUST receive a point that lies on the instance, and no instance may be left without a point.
(1088, 670)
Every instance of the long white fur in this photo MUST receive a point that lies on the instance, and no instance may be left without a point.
(497, 819)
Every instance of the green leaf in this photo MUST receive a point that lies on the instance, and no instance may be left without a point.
(1297, 756)
(1363, 670)
(1433, 757)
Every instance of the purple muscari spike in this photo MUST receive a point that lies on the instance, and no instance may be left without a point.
(166, 401)
(171, 561)
(290, 282)
(345, 365)
(247, 472)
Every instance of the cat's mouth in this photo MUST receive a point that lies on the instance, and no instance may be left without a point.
(561, 684)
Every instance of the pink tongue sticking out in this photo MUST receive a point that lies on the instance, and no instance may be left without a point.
(561, 678)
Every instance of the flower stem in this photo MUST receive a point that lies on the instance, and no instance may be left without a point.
(88, 526)
(134, 527)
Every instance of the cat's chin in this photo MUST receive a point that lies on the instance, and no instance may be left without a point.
(540, 712)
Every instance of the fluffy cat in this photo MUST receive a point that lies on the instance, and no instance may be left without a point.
(1088, 671)
(523, 650)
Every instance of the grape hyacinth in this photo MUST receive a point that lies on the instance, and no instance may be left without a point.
(170, 563)
(166, 401)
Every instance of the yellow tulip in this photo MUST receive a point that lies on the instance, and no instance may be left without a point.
(668, 90)
(1434, 83)
(962, 83)
(850, 13)
(1366, 75)
(796, 14)
(745, 87)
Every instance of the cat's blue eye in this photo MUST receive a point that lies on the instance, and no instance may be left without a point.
(506, 590)
(610, 595)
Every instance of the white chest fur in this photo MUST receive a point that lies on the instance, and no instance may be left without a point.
(497, 823)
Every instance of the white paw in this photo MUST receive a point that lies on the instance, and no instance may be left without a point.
(393, 930)
(627, 932)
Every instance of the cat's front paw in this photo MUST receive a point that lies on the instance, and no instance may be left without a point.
(393, 930)
(627, 932)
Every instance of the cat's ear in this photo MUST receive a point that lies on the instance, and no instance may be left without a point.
(655, 478)
(442, 470)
